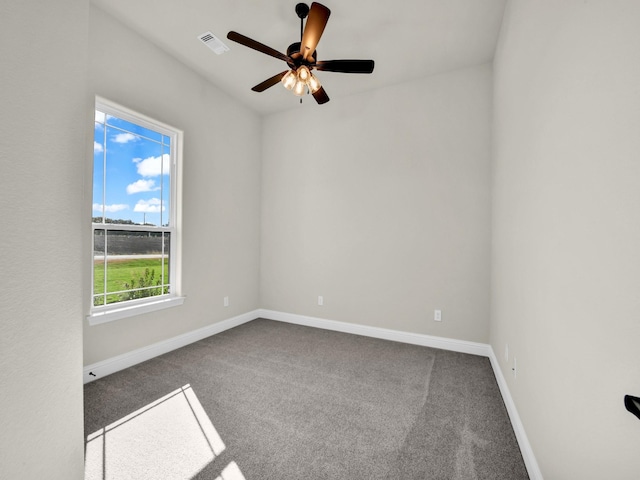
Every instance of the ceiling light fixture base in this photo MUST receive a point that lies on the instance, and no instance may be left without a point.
(302, 10)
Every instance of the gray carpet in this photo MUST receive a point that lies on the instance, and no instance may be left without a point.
(293, 402)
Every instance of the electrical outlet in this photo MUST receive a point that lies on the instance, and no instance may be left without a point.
(506, 352)
(437, 315)
(226, 301)
(320, 300)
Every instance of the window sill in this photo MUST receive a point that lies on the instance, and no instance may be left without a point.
(104, 316)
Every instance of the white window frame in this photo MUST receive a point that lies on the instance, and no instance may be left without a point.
(115, 311)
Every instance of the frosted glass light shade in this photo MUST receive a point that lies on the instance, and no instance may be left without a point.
(313, 83)
(299, 88)
(303, 73)
(289, 80)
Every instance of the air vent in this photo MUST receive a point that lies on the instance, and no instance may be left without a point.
(213, 42)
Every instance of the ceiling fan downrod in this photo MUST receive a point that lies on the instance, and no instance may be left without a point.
(302, 10)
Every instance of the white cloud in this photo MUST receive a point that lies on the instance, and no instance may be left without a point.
(116, 207)
(142, 186)
(153, 166)
(97, 147)
(124, 138)
(100, 117)
(153, 205)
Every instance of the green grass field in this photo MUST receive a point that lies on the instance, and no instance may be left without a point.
(120, 272)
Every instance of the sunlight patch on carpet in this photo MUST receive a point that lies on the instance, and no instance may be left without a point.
(170, 438)
(231, 472)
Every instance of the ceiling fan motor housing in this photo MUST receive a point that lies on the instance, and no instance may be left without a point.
(297, 59)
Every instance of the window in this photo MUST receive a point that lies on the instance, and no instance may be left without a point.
(135, 214)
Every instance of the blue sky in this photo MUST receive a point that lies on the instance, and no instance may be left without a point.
(137, 171)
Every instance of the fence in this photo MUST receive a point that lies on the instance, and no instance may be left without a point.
(130, 243)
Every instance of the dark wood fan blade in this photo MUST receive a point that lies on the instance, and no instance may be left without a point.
(316, 21)
(260, 47)
(269, 82)
(346, 66)
(321, 96)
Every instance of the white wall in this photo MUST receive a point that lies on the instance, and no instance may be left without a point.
(566, 234)
(221, 185)
(43, 99)
(381, 204)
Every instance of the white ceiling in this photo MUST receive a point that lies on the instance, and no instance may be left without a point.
(408, 39)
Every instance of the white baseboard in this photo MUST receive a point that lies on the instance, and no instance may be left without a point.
(126, 360)
(523, 441)
(383, 333)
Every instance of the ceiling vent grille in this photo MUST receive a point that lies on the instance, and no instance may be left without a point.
(213, 42)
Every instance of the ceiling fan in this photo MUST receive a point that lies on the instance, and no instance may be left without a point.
(302, 57)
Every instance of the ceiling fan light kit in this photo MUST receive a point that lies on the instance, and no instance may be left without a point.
(302, 56)
(299, 80)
